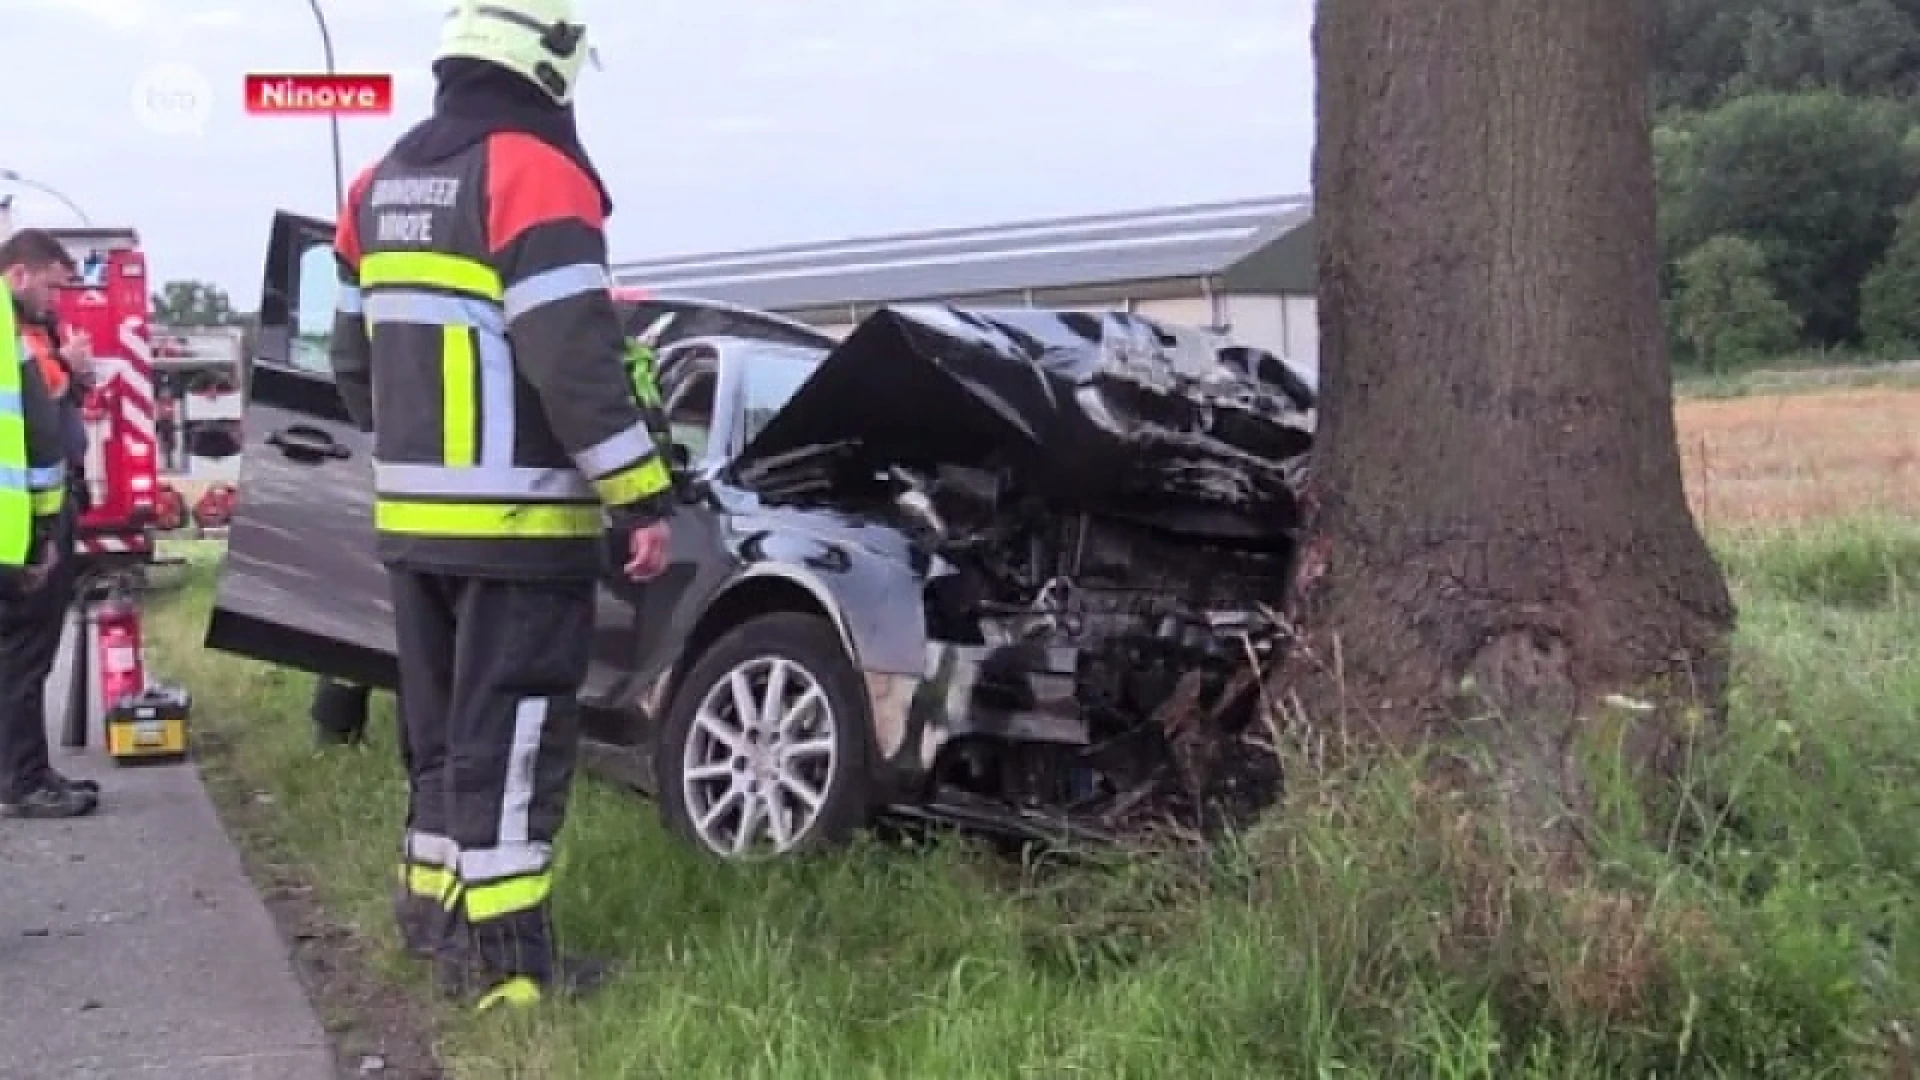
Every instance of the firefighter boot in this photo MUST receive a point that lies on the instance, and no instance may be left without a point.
(58, 779)
(513, 961)
(49, 801)
(474, 985)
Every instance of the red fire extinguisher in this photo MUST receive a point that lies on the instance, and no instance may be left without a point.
(123, 672)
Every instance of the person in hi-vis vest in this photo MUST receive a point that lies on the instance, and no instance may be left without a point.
(36, 536)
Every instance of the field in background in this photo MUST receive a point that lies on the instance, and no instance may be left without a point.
(1771, 929)
(1792, 458)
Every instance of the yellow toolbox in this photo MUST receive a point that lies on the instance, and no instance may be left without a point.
(149, 727)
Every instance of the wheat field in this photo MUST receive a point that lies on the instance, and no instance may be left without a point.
(1793, 458)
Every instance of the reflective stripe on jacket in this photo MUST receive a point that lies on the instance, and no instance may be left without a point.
(33, 481)
(477, 339)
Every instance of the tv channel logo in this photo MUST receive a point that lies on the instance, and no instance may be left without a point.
(173, 99)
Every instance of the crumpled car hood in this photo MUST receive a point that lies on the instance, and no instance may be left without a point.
(1107, 411)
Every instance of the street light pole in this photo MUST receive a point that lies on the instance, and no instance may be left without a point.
(11, 177)
(333, 119)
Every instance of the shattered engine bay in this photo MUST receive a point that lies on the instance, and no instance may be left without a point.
(1109, 506)
(1149, 644)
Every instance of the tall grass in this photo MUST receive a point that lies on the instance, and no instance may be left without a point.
(1769, 928)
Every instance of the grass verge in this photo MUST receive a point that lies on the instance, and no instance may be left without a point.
(1786, 377)
(1369, 932)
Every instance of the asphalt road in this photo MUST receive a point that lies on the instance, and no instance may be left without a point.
(132, 944)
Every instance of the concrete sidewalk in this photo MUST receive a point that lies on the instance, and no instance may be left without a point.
(133, 945)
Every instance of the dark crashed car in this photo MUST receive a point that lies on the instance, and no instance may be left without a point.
(950, 568)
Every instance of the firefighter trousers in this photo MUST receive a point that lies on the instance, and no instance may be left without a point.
(489, 734)
(31, 626)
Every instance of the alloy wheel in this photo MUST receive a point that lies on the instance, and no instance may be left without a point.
(759, 758)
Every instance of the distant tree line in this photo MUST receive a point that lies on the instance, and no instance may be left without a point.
(194, 303)
(1787, 141)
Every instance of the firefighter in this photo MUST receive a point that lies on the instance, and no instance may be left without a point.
(36, 537)
(477, 340)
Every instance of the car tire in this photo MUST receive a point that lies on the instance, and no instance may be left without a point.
(812, 778)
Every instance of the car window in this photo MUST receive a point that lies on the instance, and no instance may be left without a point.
(771, 376)
(319, 288)
(690, 412)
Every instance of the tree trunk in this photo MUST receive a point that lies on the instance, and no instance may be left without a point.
(1497, 501)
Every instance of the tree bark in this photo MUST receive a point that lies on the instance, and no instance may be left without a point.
(1497, 500)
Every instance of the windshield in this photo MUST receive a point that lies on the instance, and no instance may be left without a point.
(770, 375)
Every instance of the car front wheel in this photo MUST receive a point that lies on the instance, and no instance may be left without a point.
(764, 750)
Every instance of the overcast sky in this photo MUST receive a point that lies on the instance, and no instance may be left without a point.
(718, 123)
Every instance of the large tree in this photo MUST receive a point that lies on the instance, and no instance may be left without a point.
(1498, 539)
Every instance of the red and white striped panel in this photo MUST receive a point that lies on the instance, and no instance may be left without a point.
(136, 383)
(140, 439)
(127, 438)
(111, 545)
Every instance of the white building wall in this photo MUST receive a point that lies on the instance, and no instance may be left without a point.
(1286, 326)
(1195, 311)
(1302, 314)
(1257, 320)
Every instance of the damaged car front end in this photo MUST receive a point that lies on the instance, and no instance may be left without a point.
(1102, 512)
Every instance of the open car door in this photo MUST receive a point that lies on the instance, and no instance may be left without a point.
(300, 585)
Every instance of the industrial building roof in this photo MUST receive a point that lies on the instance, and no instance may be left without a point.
(1253, 245)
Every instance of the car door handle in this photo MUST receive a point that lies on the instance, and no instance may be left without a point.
(303, 443)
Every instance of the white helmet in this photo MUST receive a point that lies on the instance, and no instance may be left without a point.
(540, 40)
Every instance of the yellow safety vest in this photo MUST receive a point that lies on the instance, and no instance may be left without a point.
(16, 495)
(31, 492)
